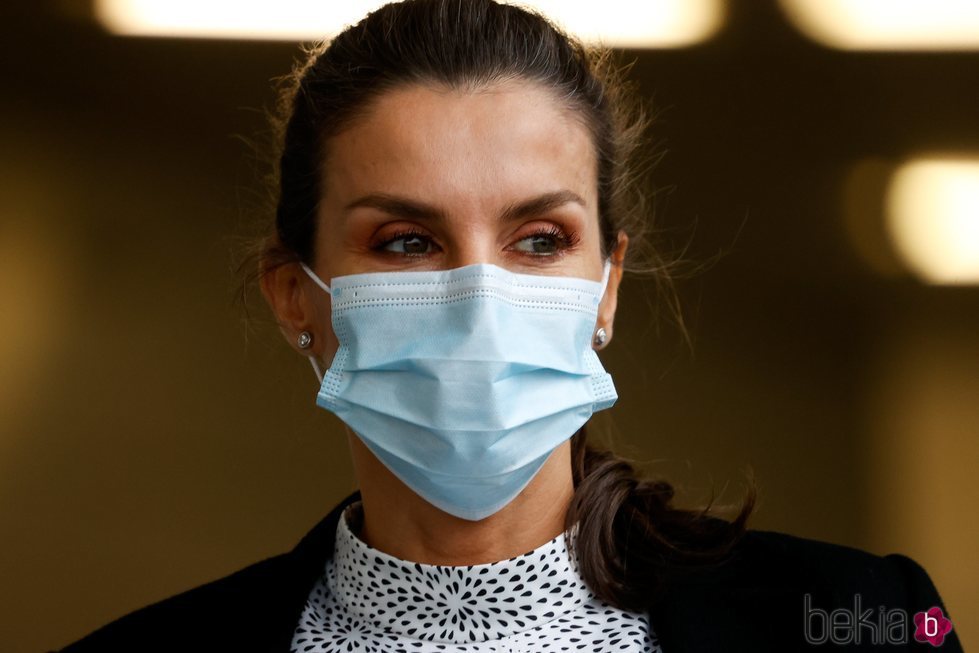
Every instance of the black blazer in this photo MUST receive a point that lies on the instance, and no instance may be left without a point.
(772, 591)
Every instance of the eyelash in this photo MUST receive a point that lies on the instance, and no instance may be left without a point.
(564, 241)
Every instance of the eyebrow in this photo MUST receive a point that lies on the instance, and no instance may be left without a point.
(409, 208)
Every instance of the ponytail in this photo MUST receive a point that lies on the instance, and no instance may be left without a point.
(629, 534)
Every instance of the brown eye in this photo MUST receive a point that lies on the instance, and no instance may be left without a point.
(539, 244)
(545, 242)
(409, 243)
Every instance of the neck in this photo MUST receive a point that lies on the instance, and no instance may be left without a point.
(402, 524)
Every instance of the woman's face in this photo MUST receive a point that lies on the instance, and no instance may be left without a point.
(429, 178)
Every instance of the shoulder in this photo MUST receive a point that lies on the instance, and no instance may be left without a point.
(232, 611)
(253, 609)
(803, 560)
(771, 561)
(784, 561)
(778, 588)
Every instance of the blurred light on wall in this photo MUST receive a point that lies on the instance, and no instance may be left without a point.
(888, 24)
(623, 23)
(36, 279)
(932, 208)
(636, 23)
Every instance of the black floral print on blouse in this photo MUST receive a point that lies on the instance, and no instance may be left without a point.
(371, 602)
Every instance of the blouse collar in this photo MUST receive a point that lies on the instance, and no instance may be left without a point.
(454, 604)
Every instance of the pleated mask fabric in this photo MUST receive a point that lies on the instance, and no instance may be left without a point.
(463, 381)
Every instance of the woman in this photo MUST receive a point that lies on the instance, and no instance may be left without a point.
(455, 214)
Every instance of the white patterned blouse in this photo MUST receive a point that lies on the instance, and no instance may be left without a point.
(368, 601)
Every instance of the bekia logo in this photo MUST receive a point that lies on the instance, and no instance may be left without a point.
(883, 626)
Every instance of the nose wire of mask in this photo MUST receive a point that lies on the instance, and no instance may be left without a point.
(322, 284)
(319, 282)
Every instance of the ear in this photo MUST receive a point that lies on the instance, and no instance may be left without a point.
(285, 289)
(606, 309)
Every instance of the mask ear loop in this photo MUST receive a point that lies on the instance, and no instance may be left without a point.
(316, 369)
(605, 274)
(312, 275)
(319, 282)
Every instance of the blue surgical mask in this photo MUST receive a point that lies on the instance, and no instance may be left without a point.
(463, 381)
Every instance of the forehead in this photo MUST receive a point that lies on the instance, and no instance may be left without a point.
(466, 146)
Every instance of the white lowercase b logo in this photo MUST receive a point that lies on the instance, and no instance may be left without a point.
(931, 626)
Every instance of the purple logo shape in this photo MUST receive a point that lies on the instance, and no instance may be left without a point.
(931, 626)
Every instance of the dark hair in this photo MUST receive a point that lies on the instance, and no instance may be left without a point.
(628, 530)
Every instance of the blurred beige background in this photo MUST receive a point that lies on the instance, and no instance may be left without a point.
(150, 441)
